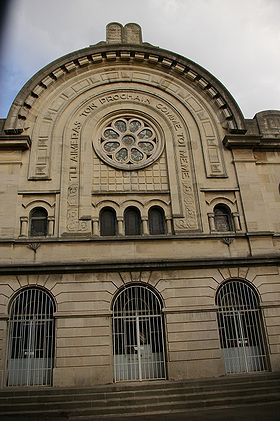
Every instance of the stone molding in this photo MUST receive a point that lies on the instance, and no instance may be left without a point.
(252, 142)
(138, 266)
(191, 72)
(15, 142)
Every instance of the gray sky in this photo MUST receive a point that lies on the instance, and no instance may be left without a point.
(238, 41)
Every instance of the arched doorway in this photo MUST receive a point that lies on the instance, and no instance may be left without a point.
(30, 339)
(138, 335)
(241, 328)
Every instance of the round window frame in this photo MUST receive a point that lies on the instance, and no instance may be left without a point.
(107, 124)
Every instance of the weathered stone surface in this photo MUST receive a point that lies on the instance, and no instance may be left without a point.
(126, 125)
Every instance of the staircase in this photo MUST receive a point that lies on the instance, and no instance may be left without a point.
(133, 399)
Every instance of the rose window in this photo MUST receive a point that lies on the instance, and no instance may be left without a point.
(129, 143)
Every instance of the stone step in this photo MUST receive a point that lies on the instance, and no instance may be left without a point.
(153, 397)
(143, 387)
(158, 394)
(149, 407)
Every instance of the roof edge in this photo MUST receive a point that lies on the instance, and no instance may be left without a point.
(102, 51)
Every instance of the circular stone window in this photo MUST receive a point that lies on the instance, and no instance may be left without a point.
(128, 143)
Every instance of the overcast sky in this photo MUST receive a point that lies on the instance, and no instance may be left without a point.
(238, 41)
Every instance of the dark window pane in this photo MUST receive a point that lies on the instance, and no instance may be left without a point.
(132, 221)
(38, 222)
(108, 222)
(156, 221)
(223, 220)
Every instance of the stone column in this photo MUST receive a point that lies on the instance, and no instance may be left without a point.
(24, 226)
(51, 220)
(120, 226)
(169, 225)
(211, 219)
(95, 226)
(145, 226)
(236, 221)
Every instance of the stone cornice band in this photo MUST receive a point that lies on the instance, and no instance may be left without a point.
(207, 83)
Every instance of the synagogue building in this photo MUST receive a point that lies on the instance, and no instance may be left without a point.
(139, 223)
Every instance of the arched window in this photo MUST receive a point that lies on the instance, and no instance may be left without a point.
(31, 339)
(241, 328)
(108, 223)
(132, 221)
(222, 218)
(156, 221)
(138, 335)
(38, 222)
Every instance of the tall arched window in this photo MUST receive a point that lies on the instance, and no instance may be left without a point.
(132, 221)
(241, 328)
(138, 335)
(108, 222)
(223, 218)
(31, 339)
(38, 222)
(156, 221)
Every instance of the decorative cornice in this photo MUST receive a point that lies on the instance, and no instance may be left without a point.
(251, 142)
(147, 54)
(138, 266)
(15, 142)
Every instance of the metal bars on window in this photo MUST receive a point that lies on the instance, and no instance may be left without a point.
(241, 328)
(138, 338)
(30, 339)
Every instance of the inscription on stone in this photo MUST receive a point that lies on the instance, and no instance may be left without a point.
(170, 115)
(185, 177)
(73, 223)
(114, 33)
(190, 221)
(208, 135)
(128, 34)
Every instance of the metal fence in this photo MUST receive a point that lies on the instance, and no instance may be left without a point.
(138, 335)
(241, 328)
(30, 346)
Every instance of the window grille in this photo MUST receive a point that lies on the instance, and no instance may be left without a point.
(138, 337)
(38, 222)
(30, 339)
(241, 328)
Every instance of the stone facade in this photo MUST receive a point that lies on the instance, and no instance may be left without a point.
(125, 125)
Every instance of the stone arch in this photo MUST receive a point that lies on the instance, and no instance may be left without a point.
(183, 114)
(183, 68)
(34, 203)
(88, 130)
(156, 202)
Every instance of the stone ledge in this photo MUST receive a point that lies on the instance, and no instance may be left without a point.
(252, 142)
(82, 267)
(15, 142)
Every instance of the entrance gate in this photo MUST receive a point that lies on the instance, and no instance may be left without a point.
(241, 328)
(138, 338)
(30, 341)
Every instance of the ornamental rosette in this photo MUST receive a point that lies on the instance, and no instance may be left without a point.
(129, 143)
